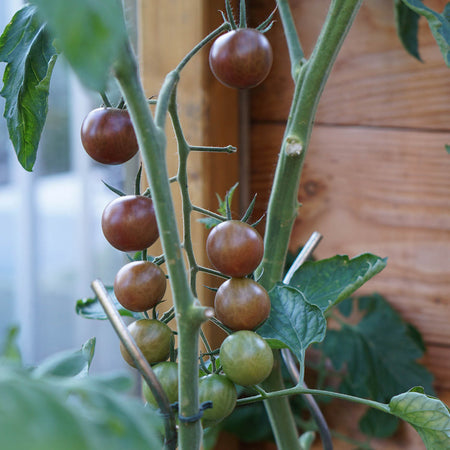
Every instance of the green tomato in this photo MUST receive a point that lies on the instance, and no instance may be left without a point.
(246, 358)
(153, 339)
(167, 374)
(222, 392)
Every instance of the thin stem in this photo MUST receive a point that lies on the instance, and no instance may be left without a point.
(212, 272)
(206, 212)
(172, 78)
(303, 390)
(201, 148)
(296, 54)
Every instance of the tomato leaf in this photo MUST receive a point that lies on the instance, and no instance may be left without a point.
(379, 353)
(26, 48)
(378, 424)
(90, 34)
(428, 415)
(91, 308)
(293, 321)
(439, 25)
(71, 413)
(68, 364)
(329, 281)
(407, 23)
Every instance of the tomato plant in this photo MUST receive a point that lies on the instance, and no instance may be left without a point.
(154, 339)
(167, 374)
(241, 58)
(140, 285)
(241, 304)
(129, 223)
(234, 248)
(222, 392)
(246, 358)
(108, 135)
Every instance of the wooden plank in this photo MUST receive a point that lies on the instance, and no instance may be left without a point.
(374, 81)
(380, 191)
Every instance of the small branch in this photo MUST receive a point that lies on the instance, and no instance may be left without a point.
(296, 54)
(209, 213)
(302, 390)
(227, 149)
(172, 78)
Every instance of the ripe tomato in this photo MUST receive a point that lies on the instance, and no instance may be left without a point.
(129, 223)
(234, 248)
(139, 285)
(241, 58)
(222, 392)
(153, 339)
(246, 358)
(241, 304)
(167, 374)
(108, 136)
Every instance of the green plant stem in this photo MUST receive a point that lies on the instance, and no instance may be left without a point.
(283, 203)
(303, 390)
(188, 312)
(296, 54)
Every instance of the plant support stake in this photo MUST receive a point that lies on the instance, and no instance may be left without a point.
(140, 361)
(287, 355)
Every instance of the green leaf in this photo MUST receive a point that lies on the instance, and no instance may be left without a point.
(379, 353)
(447, 148)
(378, 424)
(306, 440)
(329, 281)
(293, 321)
(71, 414)
(91, 308)
(10, 350)
(439, 25)
(26, 47)
(91, 34)
(428, 415)
(249, 423)
(69, 363)
(407, 22)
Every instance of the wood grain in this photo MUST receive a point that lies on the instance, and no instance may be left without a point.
(381, 191)
(374, 81)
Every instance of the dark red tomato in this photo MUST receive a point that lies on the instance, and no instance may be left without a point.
(167, 374)
(153, 339)
(140, 285)
(108, 136)
(241, 304)
(222, 392)
(129, 223)
(234, 248)
(246, 358)
(241, 58)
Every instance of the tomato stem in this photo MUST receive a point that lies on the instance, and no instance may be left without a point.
(310, 79)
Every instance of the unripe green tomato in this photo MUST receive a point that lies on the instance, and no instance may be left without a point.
(222, 392)
(153, 339)
(167, 374)
(246, 358)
